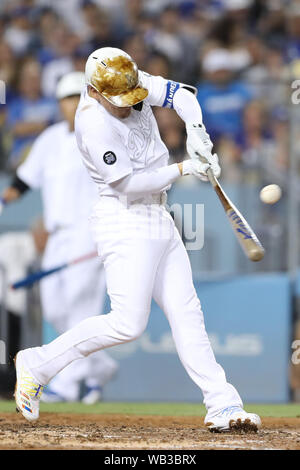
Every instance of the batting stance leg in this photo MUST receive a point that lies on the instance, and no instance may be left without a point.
(130, 274)
(174, 292)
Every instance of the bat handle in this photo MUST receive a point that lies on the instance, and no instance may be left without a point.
(213, 180)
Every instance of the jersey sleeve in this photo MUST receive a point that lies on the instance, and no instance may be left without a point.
(107, 153)
(160, 90)
(31, 171)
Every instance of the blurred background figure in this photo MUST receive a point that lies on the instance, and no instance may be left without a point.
(19, 34)
(19, 253)
(170, 40)
(222, 97)
(29, 113)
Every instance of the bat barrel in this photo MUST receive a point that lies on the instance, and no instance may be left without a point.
(244, 234)
(242, 230)
(255, 253)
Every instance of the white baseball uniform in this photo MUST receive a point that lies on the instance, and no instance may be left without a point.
(140, 247)
(69, 296)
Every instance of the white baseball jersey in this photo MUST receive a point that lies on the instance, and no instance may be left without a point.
(113, 148)
(54, 165)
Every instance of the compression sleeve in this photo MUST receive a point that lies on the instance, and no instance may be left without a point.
(187, 106)
(147, 182)
(18, 184)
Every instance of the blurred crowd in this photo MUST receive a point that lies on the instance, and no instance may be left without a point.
(242, 55)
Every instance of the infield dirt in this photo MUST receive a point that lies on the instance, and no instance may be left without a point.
(75, 431)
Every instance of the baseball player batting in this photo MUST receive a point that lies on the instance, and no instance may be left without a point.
(143, 254)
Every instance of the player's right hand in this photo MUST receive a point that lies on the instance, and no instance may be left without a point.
(199, 168)
(196, 168)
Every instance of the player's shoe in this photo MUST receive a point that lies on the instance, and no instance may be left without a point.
(233, 418)
(92, 395)
(27, 391)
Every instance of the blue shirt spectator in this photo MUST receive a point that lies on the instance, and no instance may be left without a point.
(292, 43)
(222, 99)
(223, 107)
(42, 110)
(29, 113)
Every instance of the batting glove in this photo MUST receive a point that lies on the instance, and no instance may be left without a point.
(199, 147)
(199, 168)
(196, 168)
(198, 142)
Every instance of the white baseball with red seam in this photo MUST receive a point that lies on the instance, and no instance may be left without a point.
(270, 194)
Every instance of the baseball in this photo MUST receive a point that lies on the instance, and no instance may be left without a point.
(270, 194)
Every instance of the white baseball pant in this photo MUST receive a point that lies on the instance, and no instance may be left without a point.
(144, 257)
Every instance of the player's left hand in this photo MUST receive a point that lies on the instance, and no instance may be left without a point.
(198, 142)
(199, 147)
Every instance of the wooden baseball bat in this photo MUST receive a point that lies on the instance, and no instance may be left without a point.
(242, 230)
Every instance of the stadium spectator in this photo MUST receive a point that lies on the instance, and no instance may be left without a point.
(129, 18)
(100, 28)
(7, 68)
(269, 79)
(158, 64)
(19, 34)
(63, 46)
(79, 57)
(170, 41)
(135, 46)
(45, 40)
(278, 78)
(293, 31)
(239, 10)
(29, 113)
(231, 33)
(265, 145)
(222, 97)
(232, 163)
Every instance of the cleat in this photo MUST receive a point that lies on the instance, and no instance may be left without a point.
(92, 395)
(235, 419)
(27, 391)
